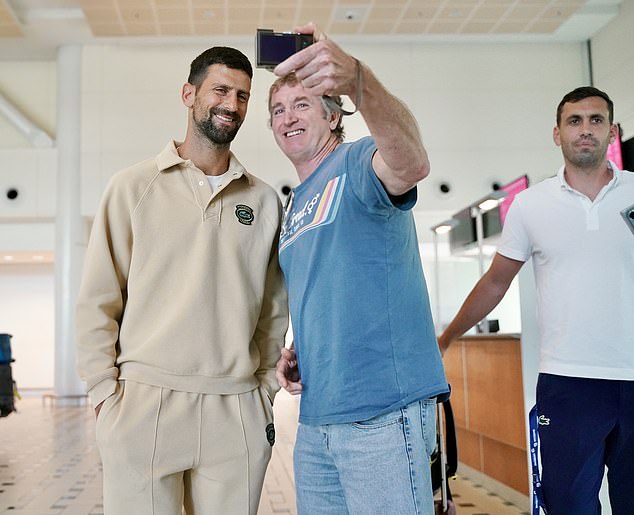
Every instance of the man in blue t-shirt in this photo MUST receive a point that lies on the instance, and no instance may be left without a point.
(365, 356)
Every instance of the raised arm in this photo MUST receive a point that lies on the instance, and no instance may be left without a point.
(486, 294)
(325, 69)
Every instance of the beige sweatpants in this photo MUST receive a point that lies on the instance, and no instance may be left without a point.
(163, 449)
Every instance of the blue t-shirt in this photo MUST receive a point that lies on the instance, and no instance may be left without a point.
(359, 305)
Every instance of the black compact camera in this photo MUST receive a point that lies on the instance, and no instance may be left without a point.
(271, 48)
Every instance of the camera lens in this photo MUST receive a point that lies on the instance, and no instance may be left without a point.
(631, 214)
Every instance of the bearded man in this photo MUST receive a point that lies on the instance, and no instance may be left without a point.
(182, 313)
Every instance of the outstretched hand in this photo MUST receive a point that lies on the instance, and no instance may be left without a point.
(287, 373)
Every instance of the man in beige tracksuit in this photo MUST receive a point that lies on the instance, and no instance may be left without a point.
(182, 313)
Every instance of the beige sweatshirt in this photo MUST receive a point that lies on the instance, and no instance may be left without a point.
(181, 287)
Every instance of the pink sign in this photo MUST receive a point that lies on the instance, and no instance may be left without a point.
(512, 189)
(614, 153)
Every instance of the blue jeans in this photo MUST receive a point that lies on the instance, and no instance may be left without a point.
(377, 466)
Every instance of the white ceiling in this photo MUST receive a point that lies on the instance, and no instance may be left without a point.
(35, 28)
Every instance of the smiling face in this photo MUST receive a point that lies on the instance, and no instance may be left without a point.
(584, 132)
(300, 124)
(219, 104)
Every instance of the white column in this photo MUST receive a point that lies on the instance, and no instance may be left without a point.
(69, 233)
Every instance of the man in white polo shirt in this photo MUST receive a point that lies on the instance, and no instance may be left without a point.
(583, 258)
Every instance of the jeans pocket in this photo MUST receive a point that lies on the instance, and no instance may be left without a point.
(428, 422)
(380, 421)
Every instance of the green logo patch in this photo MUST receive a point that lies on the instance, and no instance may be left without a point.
(270, 434)
(244, 214)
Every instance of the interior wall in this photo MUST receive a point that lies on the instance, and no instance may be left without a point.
(31, 87)
(457, 278)
(27, 311)
(613, 65)
(486, 113)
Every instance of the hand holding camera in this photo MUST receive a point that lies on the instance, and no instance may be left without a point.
(322, 67)
(272, 48)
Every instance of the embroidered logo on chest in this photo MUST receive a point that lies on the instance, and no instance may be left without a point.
(244, 214)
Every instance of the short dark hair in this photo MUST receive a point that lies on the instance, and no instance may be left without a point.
(578, 94)
(230, 57)
(292, 80)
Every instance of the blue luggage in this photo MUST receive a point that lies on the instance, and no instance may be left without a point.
(7, 385)
(5, 349)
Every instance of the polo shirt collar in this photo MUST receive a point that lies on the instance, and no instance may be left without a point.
(613, 182)
(169, 157)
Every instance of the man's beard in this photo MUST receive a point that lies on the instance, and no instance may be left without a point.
(587, 159)
(218, 135)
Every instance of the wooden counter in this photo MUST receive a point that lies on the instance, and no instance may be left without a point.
(485, 373)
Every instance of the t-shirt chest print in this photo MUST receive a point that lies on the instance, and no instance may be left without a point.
(312, 211)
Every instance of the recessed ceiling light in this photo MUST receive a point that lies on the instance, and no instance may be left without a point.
(8, 258)
(350, 13)
(53, 14)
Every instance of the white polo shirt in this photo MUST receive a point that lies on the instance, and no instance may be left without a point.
(583, 258)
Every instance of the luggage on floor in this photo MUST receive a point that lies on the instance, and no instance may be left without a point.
(444, 461)
(7, 386)
(7, 404)
(5, 349)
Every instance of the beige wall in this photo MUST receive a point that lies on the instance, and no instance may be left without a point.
(613, 65)
(486, 112)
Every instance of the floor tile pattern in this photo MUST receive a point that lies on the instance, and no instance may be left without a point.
(49, 465)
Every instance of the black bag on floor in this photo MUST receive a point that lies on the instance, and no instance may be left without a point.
(451, 451)
(7, 404)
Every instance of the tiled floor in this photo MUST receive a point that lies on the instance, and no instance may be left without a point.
(49, 465)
